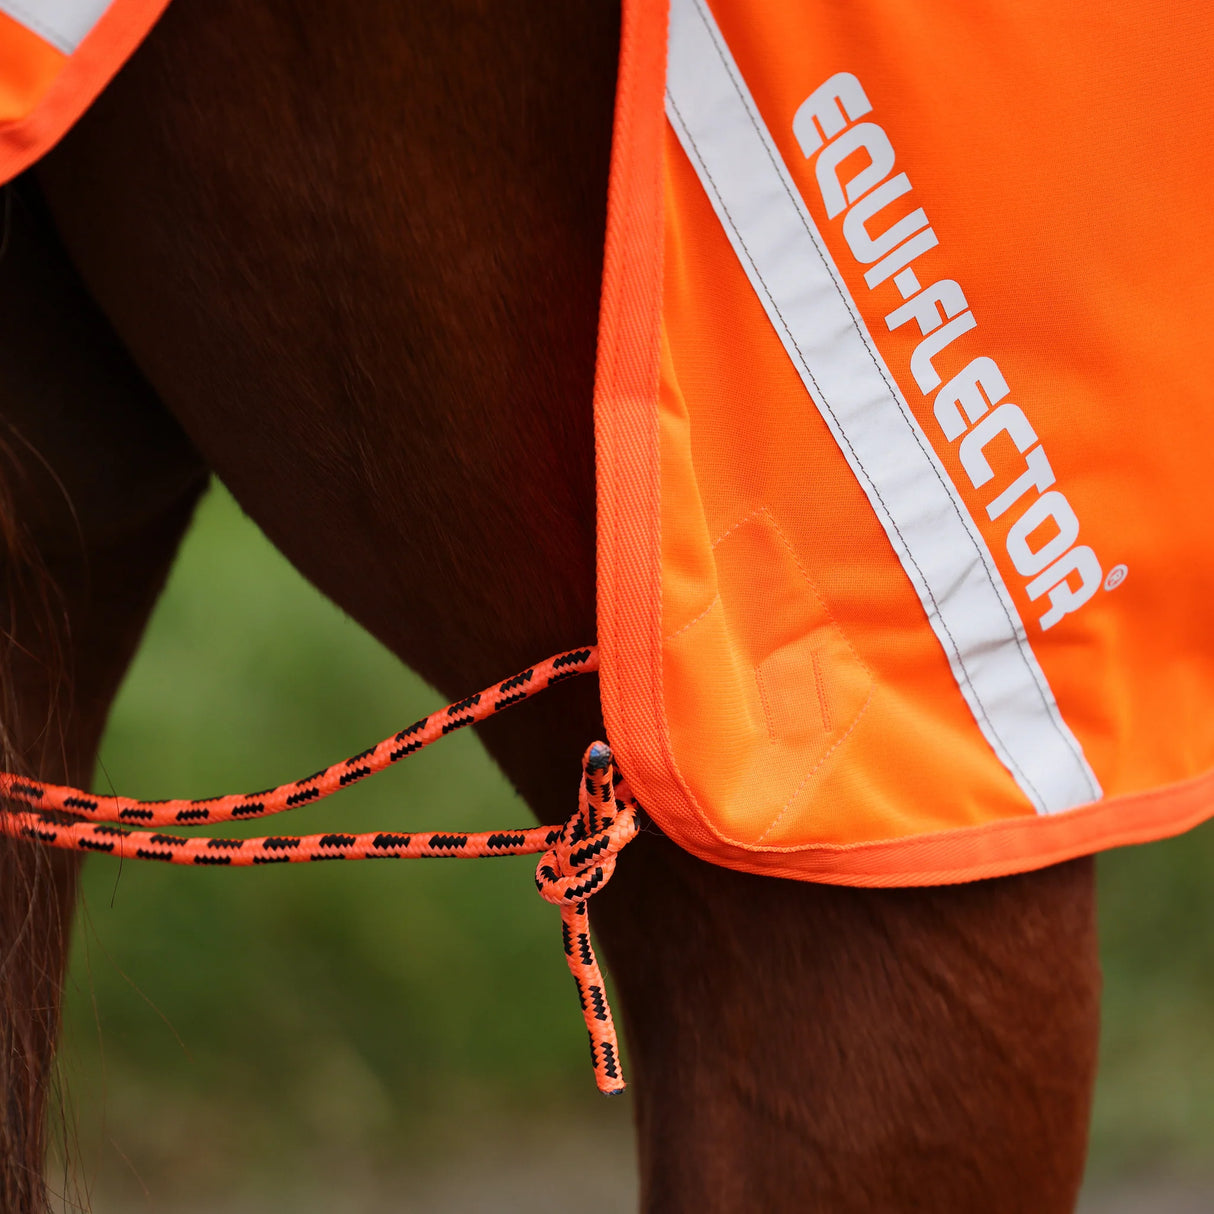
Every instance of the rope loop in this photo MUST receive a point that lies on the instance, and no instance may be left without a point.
(573, 869)
(578, 857)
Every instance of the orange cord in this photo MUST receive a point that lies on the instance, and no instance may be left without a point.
(578, 857)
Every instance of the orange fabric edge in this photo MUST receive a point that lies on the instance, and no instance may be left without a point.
(996, 849)
(96, 60)
(629, 601)
(626, 386)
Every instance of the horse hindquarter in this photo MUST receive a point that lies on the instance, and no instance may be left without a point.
(358, 257)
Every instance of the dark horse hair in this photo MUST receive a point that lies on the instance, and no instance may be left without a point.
(74, 536)
(35, 902)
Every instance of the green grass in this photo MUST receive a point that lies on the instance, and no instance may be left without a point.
(234, 1022)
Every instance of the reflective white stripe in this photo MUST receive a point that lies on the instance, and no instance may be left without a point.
(63, 23)
(936, 540)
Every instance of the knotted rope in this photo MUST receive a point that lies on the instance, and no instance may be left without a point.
(578, 857)
(579, 863)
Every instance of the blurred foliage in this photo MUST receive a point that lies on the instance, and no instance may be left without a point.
(1155, 1093)
(317, 1017)
(272, 1013)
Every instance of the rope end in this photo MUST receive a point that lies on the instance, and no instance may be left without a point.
(598, 758)
(579, 863)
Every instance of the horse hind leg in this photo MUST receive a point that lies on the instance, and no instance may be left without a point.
(96, 488)
(798, 1047)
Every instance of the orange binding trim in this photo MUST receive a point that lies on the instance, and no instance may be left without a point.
(57, 89)
(578, 857)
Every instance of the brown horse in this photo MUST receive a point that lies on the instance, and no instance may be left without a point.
(347, 258)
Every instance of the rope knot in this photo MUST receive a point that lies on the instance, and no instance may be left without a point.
(582, 856)
(577, 864)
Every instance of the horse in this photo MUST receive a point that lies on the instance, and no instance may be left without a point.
(348, 261)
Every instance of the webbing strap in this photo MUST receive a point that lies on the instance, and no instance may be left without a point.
(577, 861)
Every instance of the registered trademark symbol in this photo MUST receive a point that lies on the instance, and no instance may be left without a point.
(1116, 576)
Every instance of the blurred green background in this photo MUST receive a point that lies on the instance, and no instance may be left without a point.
(381, 1031)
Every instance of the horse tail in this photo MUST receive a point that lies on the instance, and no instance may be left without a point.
(37, 889)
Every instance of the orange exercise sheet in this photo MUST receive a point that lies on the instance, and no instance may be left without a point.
(904, 427)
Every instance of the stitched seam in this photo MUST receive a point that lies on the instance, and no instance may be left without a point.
(830, 615)
(741, 523)
(809, 581)
(771, 728)
(716, 598)
(815, 768)
(817, 670)
(813, 586)
(823, 705)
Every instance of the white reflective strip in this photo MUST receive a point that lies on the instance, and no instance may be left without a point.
(62, 23)
(936, 540)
